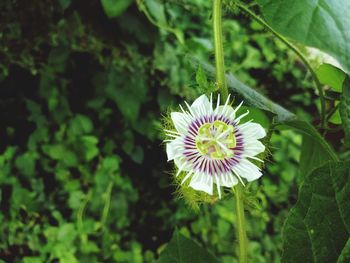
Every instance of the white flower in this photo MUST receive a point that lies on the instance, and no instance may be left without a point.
(210, 145)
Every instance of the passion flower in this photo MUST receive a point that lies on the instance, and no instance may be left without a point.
(210, 146)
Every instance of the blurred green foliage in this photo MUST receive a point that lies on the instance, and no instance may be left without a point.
(83, 176)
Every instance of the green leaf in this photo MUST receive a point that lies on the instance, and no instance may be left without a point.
(110, 164)
(316, 228)
(336, 118)
(31, 260)
(137, 155)
(114, 8)
(344, 109)
(127, 93)
(322, 24)
(201, 78)
(64, 3)
(345, 254)
(183, 250)
(80, 124)
(25, 163)
(90, 150)
(256, 115)
(306, 128)
(312, 155)
(331, 76)
(156, 9)
(341, 185)
(60, 152)
(315, 150)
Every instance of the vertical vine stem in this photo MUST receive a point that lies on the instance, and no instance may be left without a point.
(297, 52)
(222, 86)
(241, 230)
(219, 50)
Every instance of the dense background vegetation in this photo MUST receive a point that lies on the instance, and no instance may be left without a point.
(83, 173)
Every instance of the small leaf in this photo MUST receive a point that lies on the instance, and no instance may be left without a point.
(128, 94)
(80, 124)
(201, 78)
(60, 152)
(64, 3)
(25, 163)
(137, 155)
(156, 9)
(30, 260)
(331, 76)
(90, 150)
(183, 250)
(336, 118)
(114, 8)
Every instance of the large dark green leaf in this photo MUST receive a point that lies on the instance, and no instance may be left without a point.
(316, 229)
(341, 185)
(183, 250)
(344, 109)
(320, 23)
(312, 155)
(315, 150)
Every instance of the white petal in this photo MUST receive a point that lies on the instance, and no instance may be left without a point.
(252, 130)
(227, 180)
(181, 122)
(182, 163)
(174, 149)
(253, 147)
(201, 106)
(202, 182)
(247, 170)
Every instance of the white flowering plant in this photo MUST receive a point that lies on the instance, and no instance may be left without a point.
(210, 146)
(216, 154)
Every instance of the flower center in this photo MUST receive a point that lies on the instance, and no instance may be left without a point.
(216, 140)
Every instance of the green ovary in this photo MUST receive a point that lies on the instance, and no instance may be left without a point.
(216, 140)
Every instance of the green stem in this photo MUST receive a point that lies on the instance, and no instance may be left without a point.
(219, 50)
(241, 230)
(298, 53)
(107, 197)
(222, 85)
